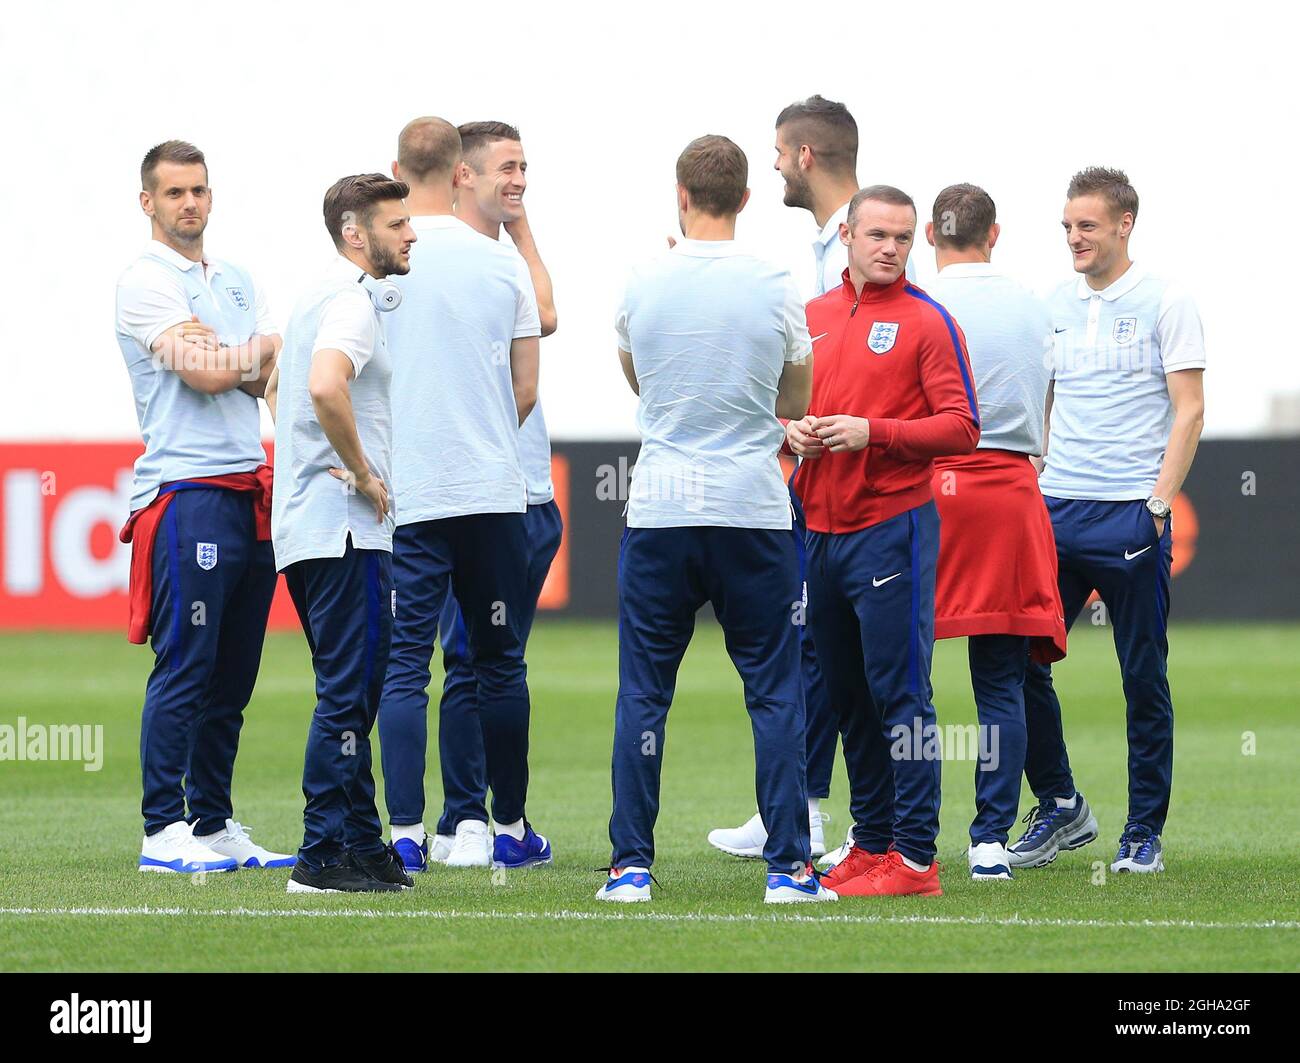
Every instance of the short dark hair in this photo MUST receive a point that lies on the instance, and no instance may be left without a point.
(878, 194)
(355, 199)
(714, 172)
(428, 146)
(1112, 185)
(178, 151)
(962, 217)
(475, 136)
(827, 128)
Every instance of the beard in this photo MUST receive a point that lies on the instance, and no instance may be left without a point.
(797, 192)
(185, 236)
(388, 261)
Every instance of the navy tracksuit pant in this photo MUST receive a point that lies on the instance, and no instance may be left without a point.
(481, 559)
(871, 595)
(345, 605)
(212, 587)
(997, 679)
(460, 735)
(1112, 547)
(820, 719)
(751, 577)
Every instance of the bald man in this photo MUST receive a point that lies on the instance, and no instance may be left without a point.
(465, 345)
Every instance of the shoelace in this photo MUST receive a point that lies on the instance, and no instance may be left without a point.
(889, 862)
(1039, 819)
(1142, 838)
(239, 831)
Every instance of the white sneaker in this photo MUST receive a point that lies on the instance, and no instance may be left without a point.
(988, 862)
(440, 847)
(235, 843)
(472, 846)
(791, 889)
(626, 884)
(832, 858)
(746, 840)
(174, 849)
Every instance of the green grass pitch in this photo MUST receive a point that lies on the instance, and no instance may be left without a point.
(72, 899)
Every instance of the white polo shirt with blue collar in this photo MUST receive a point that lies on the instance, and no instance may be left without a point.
(1111, 412)
(186, 433)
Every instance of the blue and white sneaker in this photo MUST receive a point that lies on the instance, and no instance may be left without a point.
(173, 849)
(235, 843)
(509, 853)
(1052, 830)
(789, 889)
(988, 862)
(415, 858)
(626, 884)
(1139, 851)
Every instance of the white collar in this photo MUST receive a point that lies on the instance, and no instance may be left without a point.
(1121, 286)
(429, 222)
(704, 248)
(969, 269)
(345, 267)
(831, 230)
(174, 258)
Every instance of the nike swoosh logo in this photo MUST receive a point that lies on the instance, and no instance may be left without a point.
(1060, 330)
(1129, 557)
(821, 337)
(881, 582)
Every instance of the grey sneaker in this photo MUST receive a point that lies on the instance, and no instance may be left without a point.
(1052, 829)
(1139, 851)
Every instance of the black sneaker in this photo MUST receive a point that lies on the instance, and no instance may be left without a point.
(337, 878)
(385, 867)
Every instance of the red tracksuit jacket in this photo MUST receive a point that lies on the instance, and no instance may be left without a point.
(895, 356)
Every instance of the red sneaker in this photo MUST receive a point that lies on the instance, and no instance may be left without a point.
(890, 877)
(858, 862)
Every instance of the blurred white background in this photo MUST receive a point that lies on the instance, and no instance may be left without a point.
(1198, 102)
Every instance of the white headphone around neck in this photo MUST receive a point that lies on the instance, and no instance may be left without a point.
(384, 294)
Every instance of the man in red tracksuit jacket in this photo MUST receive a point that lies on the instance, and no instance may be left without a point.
(892, 391)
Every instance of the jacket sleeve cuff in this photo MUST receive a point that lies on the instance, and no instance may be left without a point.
(884, 430)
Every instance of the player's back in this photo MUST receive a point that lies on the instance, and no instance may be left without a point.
(1008, 336)
(710, 329)
(455, 423)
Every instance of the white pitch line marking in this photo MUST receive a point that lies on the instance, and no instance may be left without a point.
(658, 917)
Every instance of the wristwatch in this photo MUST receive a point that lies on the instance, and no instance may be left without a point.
(1158, 508)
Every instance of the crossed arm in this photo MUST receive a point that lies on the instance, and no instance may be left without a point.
(192, 351)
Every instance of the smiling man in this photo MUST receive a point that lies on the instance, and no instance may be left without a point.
(199, 345)
(891, 392)
(490, 181)
(465, 348)
(1125, 412)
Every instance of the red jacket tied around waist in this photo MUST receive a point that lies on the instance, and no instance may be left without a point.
(893, 355)
(142, 528)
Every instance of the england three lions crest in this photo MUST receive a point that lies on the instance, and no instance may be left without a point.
(1124, 330)
(882, 336)
(238, 297)
(206, 555)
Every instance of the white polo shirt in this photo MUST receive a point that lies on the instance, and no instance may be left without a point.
(832, 256)
(313, 515)
(456, 443)
(1111, 413)
(186, 433)
(710, 329)
(1009, 337)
